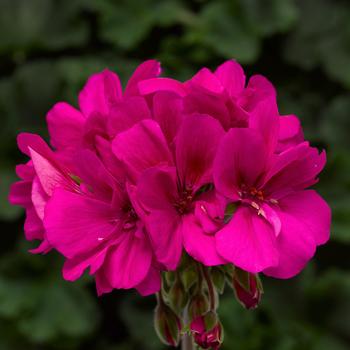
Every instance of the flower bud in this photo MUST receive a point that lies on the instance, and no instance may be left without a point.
(207, 331)
(198, 306)
(177, 296)
(167, 324)
(248, 288)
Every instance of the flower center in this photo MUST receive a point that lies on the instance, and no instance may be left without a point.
(255, 197)
(130, 218)
(184, 203)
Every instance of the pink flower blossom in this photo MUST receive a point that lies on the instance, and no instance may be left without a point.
(168, 184)
(225, 96)
(97, 226)
(278, 222)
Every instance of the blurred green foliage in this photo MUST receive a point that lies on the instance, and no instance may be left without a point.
(47, 50)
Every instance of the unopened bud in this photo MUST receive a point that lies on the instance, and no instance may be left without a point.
(199, 305)
(167, 324)
(207, 331)
(177, 296)
(248, 288)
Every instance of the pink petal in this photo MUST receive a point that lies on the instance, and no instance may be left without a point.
(258, 89)
(207, 81)
(74, 268)
(94, 174)
(146, 70)
(210, 211)
(196, 145)
(296, 243)
(141, 147)
(202, 102)
(101, 91)
(231, 76)
(49, 175)
(157, 192)
(126, 114)
(33, 141)
(151, 283)
(33, 225)
(39, 197)
(127, 264)
(290, 133)
(65, 125)
(241, 159)
(20, 193)
(43, 248)
(157, 189)
(151, 86)
(312, 211)
(248, 241)
(164, 227)
(76, 224)
(102, 284)
(199, 245)
(265, 119)
(168, 112)
(295, 174)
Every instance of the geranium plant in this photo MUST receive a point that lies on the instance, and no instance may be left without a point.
(175, 189)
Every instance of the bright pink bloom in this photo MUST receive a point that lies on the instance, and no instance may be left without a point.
(278, 223)
(225, 96)
(104, 110)
(98, 227)
(168, 184)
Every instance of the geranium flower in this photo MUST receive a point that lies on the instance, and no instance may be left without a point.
(278, 222)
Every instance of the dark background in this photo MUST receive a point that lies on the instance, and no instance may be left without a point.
(47, 50)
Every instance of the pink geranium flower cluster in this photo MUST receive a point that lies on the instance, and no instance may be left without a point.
(134, 179)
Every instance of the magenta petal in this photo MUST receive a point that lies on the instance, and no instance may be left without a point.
(76, 224)
(207, 81)
(126, 114)
(168, 112)
(100, 92)
(165, 232)
(39, 198)
(33, 225)
(258, 89)
(199, 245)
(231, 76)
(50, 177)
(296, 168)
(74, 268)
(146, 70)
(141, 147)
(151, 283)
(312, 211)
(102, 284)
(127, 264)
(248, 241)
(265, 119)
(66, 125)
(196, 145)
(151, 86)
(157, 189)
(91, 170)
(296, 247)
(240, 159)
(290, 133)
